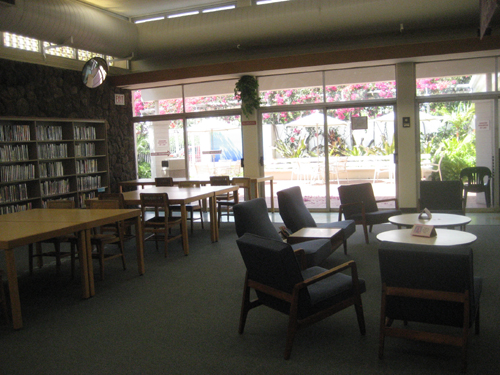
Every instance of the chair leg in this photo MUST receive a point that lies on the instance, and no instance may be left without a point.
(201, 218)
(290, 335)
(30, 256)
(100, 249)
(360, 316)
(57, 247)
(365, 229)
(245, 307)
(73, 257)
(166, 244)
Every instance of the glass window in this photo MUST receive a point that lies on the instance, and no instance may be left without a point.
(158, 101)
(455, 77)
(291, 89)
(60, 51)
(360, 84)
(210, 96)
(21, 42)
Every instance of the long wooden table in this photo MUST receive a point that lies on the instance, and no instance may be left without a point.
(253, 191)
(26, 227)
(183, 196)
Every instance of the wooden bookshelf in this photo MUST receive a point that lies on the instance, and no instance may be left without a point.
(42, 159)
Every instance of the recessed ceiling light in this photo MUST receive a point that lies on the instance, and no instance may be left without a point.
(262, 2)
(219, 9)
(184, 14)
(150, 19)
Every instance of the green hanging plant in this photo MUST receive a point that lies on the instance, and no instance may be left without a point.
(246, 90)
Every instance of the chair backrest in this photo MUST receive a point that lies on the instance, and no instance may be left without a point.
(164, 181)
(103, 204)
(154, 201)
(243, 182)
(220, 180)
(112, 197)
(270, 262)
(357, 193)
(189, 184)
(61, 203)
(293, 211)
(252, 217)
(441, 196)
(430, 268)
(475, 176)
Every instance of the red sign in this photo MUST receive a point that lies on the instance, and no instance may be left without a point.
(249, 123)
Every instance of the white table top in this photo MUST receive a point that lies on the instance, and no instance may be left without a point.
(437, 220)
(445, 237)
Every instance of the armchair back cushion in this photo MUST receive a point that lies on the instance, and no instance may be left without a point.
(252, 217)
(437, 268)
(272, 263)
(442, 196)
(357, 193)
(293, 211)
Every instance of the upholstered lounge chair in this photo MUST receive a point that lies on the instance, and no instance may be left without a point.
(432, 285)
(296, 216)
(305, 295)
(358, 203)
(252, 217)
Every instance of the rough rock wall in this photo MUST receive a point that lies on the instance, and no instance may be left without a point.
(31, 90)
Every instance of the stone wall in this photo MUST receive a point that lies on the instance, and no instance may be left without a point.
(31, 90)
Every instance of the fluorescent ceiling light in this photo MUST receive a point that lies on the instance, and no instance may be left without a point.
(262, 2)
(219, 9)
(184, 14)
(150, 19)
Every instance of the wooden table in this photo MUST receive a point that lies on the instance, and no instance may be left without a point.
(254, 181)
(445, 237)
(183, 196)
(26, 227)
(438, 220)
(253, 192)
(314, 233)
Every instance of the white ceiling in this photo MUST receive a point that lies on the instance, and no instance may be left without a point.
(139, 8)
(249, 32)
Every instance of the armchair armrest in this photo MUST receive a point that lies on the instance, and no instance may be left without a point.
(341, 208)
(350, 264)
(389, 200)
(301, 257)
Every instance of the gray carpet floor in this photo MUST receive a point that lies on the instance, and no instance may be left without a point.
(181, 317)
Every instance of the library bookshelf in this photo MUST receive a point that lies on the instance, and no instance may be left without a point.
(43, 159)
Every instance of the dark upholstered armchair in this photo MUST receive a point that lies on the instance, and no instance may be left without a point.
(296, 216)
(358, 203)
(428, 284)
(477, 180)
(305, 295)
(252, 217)
(442, 196)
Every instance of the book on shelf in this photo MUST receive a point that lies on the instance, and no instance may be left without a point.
(52, 151)
(12, 193)
(85, 132)
(15, 208)
(49, 133)
(17, 172)
(14, 133)
(14, 153)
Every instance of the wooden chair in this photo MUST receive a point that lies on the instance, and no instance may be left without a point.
(242, 182)
(358, 203)
(3, 298)
(100, 240)
(305, 295)
(164, 181)
(477, 180)
(296, 216)
(158, 225)
(126, 224)
(430, 285)
(224, 198)
(192, 207)
(56, 241)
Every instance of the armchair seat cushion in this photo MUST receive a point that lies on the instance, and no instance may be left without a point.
(376, 217)
(347, 226)
(330, 290)
(316, 251)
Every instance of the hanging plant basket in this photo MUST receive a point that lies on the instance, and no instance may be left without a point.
(246, 90)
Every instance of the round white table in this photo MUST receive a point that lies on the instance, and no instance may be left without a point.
(437, 220)
(445, 237)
